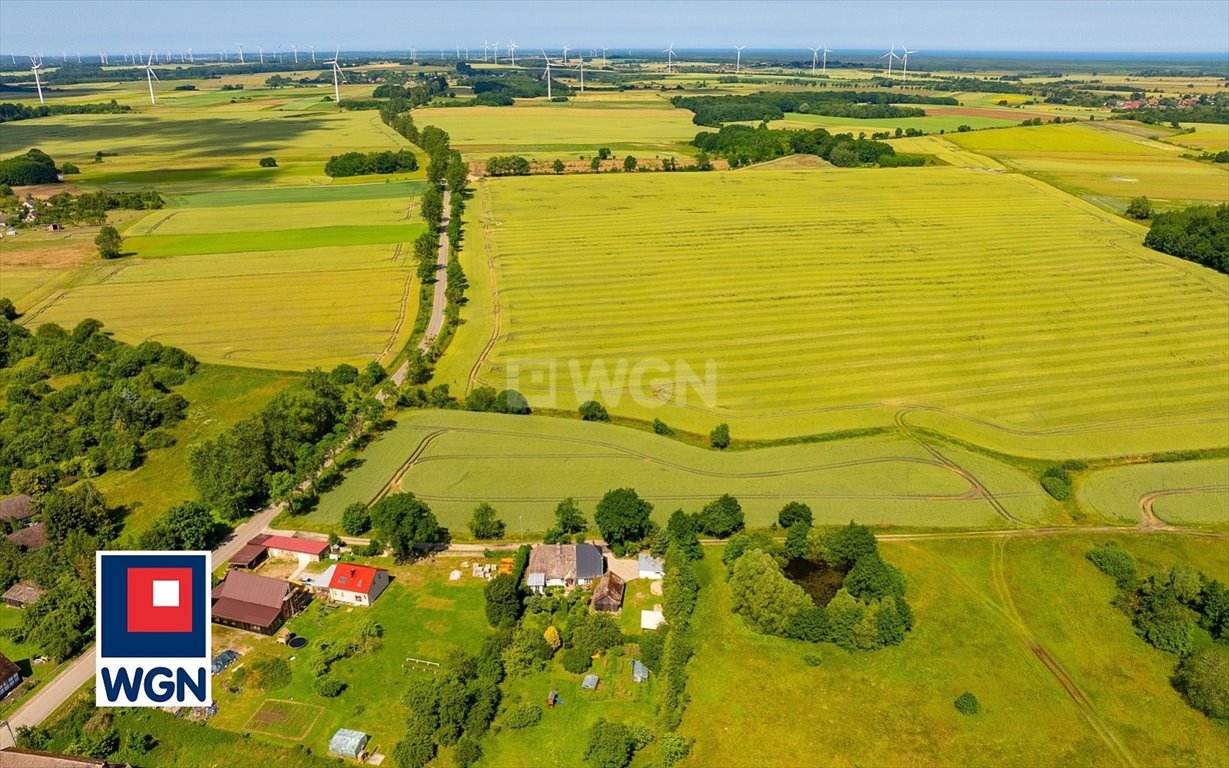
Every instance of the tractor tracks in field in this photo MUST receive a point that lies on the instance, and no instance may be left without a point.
(1150, 521)
(488, 218)
(405, 467)
(405, 303)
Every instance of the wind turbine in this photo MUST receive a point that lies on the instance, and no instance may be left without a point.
(261, 52)
(604, 56)
(296, 53)
(458, 53)
(151, 77)
(64, 55)
(222, 54)
(241, 61)
(34, 66)
(546, 75)
(826, 51)
(102, 58)
(814, 59)
(191, 58)
(279, 53)
(78, 57)
(669, 58)
(336, 72)
(904, 73)
(582, 73)
(495, 52)
(738, 58)
(565, 55)
(890, 55)
(486, 48)
(168, 56)
(511, 52)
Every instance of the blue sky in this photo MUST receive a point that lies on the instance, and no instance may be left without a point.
(1146, 26)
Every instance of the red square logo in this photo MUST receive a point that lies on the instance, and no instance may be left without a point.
(160, 600)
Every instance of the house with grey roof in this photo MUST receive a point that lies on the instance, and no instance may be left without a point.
(563, 565)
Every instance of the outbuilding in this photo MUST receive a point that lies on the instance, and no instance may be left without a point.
(23, 593)
(608, 594)
(651, 619)
(10, 675)
(640, 672)
(650, 567)
(308, 550)
(16, 509)
(256, 603)
(348, 743)
(30, 538)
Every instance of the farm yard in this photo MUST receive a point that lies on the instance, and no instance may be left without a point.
(969, 324)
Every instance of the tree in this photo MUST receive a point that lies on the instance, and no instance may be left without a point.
(890, 626)
(797, 542)
(268, 162)
(551, 636)
(794, 512)
(81, 509)
(629, 163)
(405, 522)
(467, 751)
(1111, 559)
(763, 596)
(231, 472)
(557, 166)
(719, 438)
(845, 546)
(484, 524)
(967, 704)
(1203, 680)
(569, 518)
(622, 516)
(1140, 208)
(503, 600)
(611, 745)
(513, 402)
(417, 748)
(681, 531)
(7, 310)
(592, 410)
(186, 526)
(109, 242)
(809, 624)
(481, 399)
(844, 614)
(355, 519)
(872, 579)
(721, 517)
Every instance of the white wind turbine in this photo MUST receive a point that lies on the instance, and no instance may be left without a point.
(295, 48)
(814, 59)
(827, 50)
(151, 77)
(495, 51)
(336, 72)
(191, 58)
(240, 45)
(486, 49)
(313, 53)
(511, 52)
(458, 53)
(34, 67)
(565, 55)
(582, 72)
(260, 51)
(168, 57)
(738, 58)
(102, 57)
(78, 57)
(890, 55)
(546, 75)
(669, 58)
(604, 62)
(904, 62)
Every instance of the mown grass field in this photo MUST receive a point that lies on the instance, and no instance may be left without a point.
(824, 306)
(981, 607)
(1208, 137)
(523, 466)
(275, 268)
(1101, 162)
(424, 616)
(1190, 493)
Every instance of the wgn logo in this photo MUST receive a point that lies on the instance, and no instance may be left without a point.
(153, 629)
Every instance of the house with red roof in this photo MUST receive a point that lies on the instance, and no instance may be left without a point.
(269, 545)
(355, 584)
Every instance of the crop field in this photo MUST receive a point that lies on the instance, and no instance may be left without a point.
(564, 131)
(986, 612)
(813, 305)
(523, 465)
(1208, 137)
(1101, 163)
(1189, 493)
(933, 122)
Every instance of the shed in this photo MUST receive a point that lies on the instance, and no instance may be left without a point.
(651, 619)
(20, 507)
(640, 672)
(589, 683)
(10, 675)
(223, 660)
(650, 567)
(256, 603)
(23, 593)
(250, 556)
(30, 538)
(348, 743)
(608, 594)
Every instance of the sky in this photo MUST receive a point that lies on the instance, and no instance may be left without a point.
(1144, 26)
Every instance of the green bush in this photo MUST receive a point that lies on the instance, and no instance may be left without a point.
(1112, 560)
(967, 704)
(1203, 680)
(719, 438)
(811, 660)
(355, 519)
(329, 687)
(592, 410)
(1140, 208)
(268, 162)
(507, 165)
(523, 716)
(269, 673)
(1057, 482)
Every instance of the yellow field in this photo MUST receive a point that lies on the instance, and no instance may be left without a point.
(1207, 137)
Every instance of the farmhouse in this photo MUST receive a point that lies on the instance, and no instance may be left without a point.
(650, 567)
(10, 675)
(256, 603)
(29, 538)
(357, 584)
(16, 508)
(563, 565)
(23, 593)
(608, 594)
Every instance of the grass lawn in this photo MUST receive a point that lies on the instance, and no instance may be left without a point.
(424, 616)
(981, 608)
(21, 654)
(920, 309)
(218, 396)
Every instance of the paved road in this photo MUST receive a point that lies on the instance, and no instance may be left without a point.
(51, 695)
(441, 282)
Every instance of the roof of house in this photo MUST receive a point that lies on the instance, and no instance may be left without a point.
(292, 544)
(650, 564)
(7, 667)
(248, 598)
(249, 554)
(16, 507)
(25, 592)
(609, 587)
(354, 578)
(12, 757)
(566, 561)
(30, 537)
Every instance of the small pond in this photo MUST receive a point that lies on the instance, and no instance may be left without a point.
(819, 580)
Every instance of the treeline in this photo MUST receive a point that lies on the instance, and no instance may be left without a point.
(70, 73)
(1199, 233)
(1199, 113)
(367, 163)
(87, 208)
(284, 446)
(742, 145)
(107, 419)
(34, 167)
(1177, 611)
(715, 110)
(10, 112)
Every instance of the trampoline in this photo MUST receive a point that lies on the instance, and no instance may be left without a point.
(297, 642)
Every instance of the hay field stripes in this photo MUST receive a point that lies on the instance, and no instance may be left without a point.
(1100, 293)
(1198, 491)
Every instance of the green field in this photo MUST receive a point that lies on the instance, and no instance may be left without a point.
(1102, 163)
(455, 460)
(1208, 137)
(933, 122)
(1189, 493)
(937, 306)
(984, 610)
